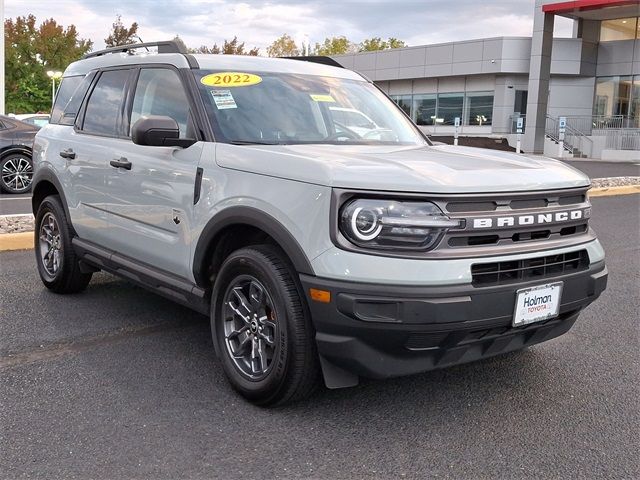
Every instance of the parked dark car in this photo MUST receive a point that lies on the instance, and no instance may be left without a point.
(16, 143)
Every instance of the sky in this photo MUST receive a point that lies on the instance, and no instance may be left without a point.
(258, 23)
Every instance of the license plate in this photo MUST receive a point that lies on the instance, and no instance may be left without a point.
(535, 304)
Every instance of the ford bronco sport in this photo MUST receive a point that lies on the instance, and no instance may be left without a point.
(228, 184)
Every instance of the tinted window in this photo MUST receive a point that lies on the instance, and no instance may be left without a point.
(103, 108)
(7, 125)
(73, 105)
(159, 92)
(65, 92)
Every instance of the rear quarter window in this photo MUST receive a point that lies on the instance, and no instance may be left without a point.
(65, 93)
(103, 110)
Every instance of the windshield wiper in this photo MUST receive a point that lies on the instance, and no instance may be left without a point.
(252, 142)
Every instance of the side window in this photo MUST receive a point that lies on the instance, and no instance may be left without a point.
(66, 90)
(160, 92)
(74, 103)
(103, 108)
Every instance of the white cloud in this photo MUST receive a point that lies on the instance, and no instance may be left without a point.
(258, 23)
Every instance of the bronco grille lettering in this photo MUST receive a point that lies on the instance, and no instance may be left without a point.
(528, 220)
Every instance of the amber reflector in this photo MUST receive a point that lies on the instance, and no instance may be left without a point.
(321, 296)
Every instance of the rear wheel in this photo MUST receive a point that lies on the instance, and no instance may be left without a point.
(16, 173)
(262, 328)
(58, 265)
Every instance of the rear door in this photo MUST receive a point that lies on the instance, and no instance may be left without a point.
(151, 202)
(86, 150)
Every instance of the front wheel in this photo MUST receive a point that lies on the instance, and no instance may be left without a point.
(58, 265)
(262, 329)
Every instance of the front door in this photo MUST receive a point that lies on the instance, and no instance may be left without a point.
(151, 200)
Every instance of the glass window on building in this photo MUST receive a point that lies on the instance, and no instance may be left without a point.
(424, 109)
(449, 107)
(479, 108)
(634, 110)
(619, 29)
(612, 96)
(403, 101)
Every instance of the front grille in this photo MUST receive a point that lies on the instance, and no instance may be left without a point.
(512, 271)
(515, 202)
(557, 231)
(517, 221)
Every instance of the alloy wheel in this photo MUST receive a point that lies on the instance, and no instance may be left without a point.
(250, 327)
(50, 244)
(17, 173)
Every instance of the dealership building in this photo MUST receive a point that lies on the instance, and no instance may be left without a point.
(591, 79)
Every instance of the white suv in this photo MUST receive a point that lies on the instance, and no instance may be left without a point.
(226, 184)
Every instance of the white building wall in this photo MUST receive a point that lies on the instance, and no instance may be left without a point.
(618, 58)
(504, 100)
(571, 96)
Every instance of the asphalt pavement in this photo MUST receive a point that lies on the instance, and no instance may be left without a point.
(15, 204)
(596, 169)
(117, 382)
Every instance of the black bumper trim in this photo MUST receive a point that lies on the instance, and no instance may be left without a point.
(380, 331)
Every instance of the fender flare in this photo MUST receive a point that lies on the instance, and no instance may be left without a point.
(243, 215)
(46, 175)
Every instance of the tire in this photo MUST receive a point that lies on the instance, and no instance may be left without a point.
(58, 265)
(16, 173)
(277, 362)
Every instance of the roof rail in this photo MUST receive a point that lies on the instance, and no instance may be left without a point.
(167, 46)
(317, 59)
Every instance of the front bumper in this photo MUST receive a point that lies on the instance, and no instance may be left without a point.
(380, 331)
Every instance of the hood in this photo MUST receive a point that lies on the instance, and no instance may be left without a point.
(427, 169)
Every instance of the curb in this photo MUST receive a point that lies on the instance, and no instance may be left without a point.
(611, 191)
(24, 240)
(16, 241)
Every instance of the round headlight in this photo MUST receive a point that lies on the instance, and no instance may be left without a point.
(365, 224)
(391, 224)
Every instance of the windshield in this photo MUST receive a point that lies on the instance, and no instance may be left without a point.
(278, 108)
(37, 121)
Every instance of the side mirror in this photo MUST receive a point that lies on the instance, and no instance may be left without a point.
(158, 131)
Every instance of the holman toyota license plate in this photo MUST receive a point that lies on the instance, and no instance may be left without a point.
(535, 304)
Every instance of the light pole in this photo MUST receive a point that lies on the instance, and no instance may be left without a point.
(2, 62)
(53, 75)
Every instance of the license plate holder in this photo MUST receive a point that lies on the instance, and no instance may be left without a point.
(537, 304)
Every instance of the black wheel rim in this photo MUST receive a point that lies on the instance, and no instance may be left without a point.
(17, 173)
(250, 327)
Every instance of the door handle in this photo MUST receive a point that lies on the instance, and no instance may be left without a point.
(121, 163)
(68, 153)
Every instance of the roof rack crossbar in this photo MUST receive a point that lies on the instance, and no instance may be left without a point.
(317, 59)
(167, 46)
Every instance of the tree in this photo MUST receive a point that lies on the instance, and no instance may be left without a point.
(376, 43)
(121, 35)
(30, 52)
(284, 46)
(229, 47)
(334, 46)
(204, 49)
(395, 43)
